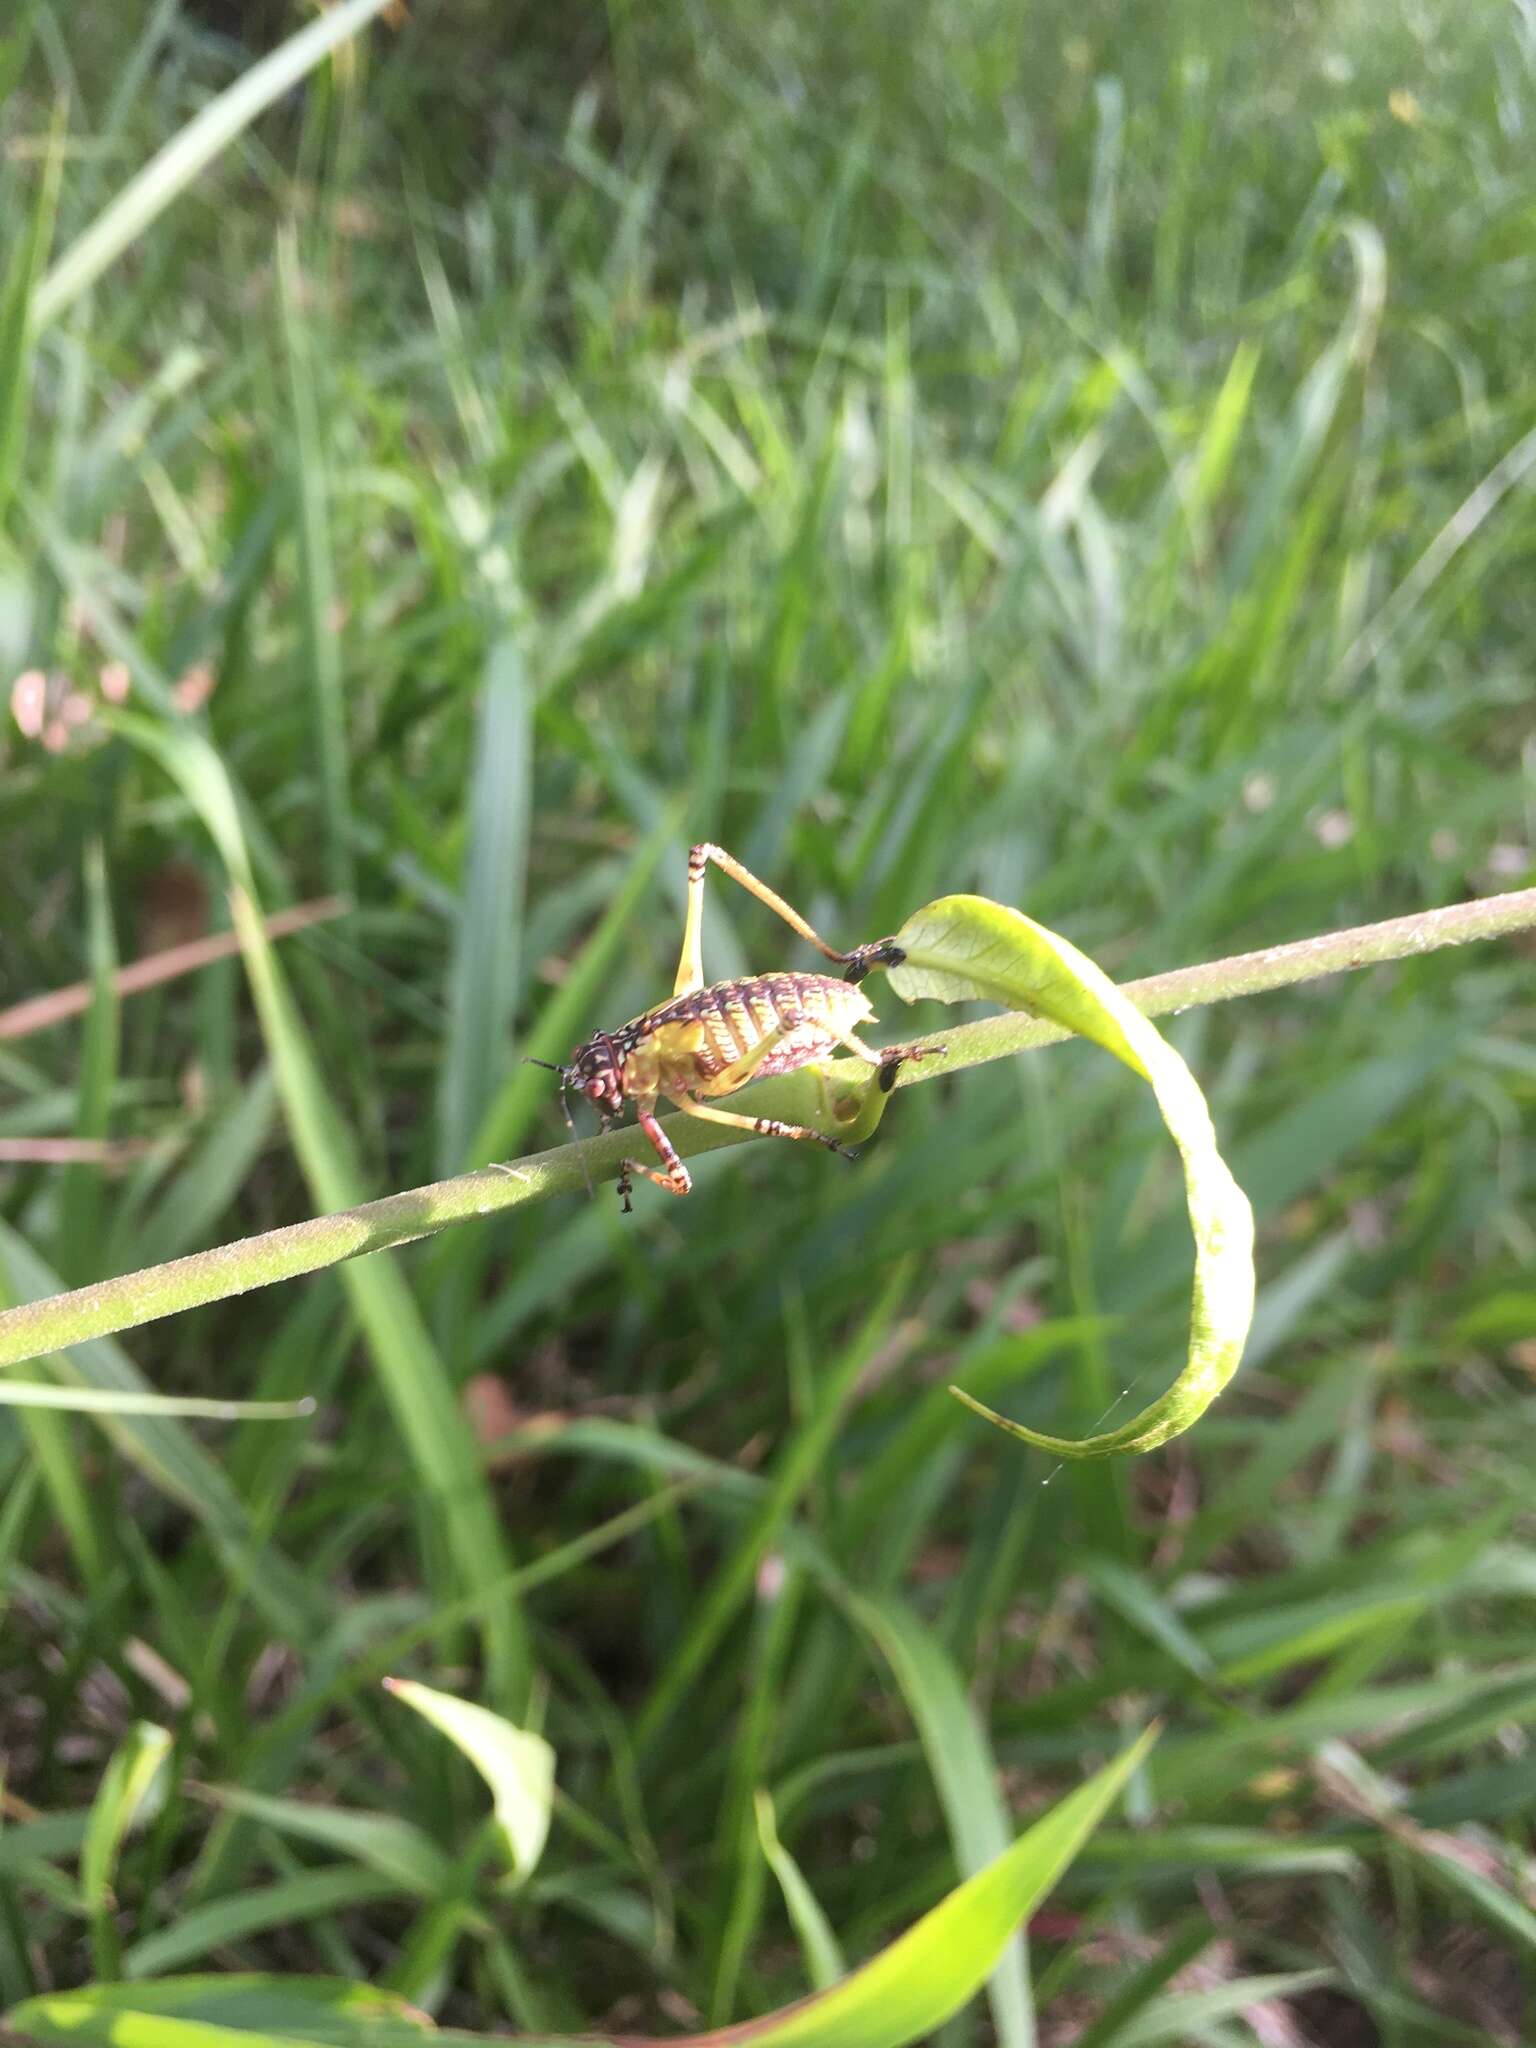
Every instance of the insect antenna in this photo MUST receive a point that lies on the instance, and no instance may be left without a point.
(565, 1111)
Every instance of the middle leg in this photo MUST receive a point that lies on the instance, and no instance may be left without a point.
(765, 1126)
(676, 1180)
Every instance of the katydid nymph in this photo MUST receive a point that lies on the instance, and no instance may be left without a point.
(708, 1041)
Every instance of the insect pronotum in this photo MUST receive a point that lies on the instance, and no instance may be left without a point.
(712, 1041)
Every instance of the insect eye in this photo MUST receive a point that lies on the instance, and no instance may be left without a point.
(597, 1089)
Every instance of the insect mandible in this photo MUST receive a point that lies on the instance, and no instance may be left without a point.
(712, 1041)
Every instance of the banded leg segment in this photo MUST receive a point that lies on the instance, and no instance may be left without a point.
(676, 1180)
(765, 1126)
(690, 968)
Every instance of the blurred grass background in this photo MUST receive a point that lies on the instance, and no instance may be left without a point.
(1077, 453)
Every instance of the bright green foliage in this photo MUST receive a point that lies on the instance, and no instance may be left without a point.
(963, 948)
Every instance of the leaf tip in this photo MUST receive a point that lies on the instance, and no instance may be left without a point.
(980, 1408)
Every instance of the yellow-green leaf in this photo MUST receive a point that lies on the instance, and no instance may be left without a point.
(965, 948)
(123, 1798)
(518, 1765)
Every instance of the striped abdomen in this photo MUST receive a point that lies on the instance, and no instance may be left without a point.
(693, 1040)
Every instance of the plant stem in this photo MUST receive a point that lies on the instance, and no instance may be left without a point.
(1252, 974)
(39, 1327)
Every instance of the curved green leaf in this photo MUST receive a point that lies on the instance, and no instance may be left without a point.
(518, 1765)
(818, 1944)
(123, 1797)
(130, 1792)
(965, 948)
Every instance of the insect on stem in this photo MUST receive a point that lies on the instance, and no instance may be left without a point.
(710, 1041)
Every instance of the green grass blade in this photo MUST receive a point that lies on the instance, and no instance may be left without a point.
(83, 1198)
(929, 1973)
(1315, 407)
(798, 1464)
(291, 1902)
(166, 1453)
(18, 318)
(80, 2016)
(1185, 2016)
(115, 1401)
(1134, 1997)
(15, 48)
(960, 1762)
(256, 2010)
(913, 1986)
(411, 1371)
(384, 1842)
(56, 1456)
(211, 1176)
(818, 1944)
(483, 977)
(123, 1798)
(737, 1853)
(319, 634)
(1131, 1594)
(177, 167)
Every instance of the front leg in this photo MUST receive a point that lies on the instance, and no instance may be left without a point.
(676, 1180)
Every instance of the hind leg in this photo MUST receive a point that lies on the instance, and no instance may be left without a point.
(690, 968)
(765, 1126)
